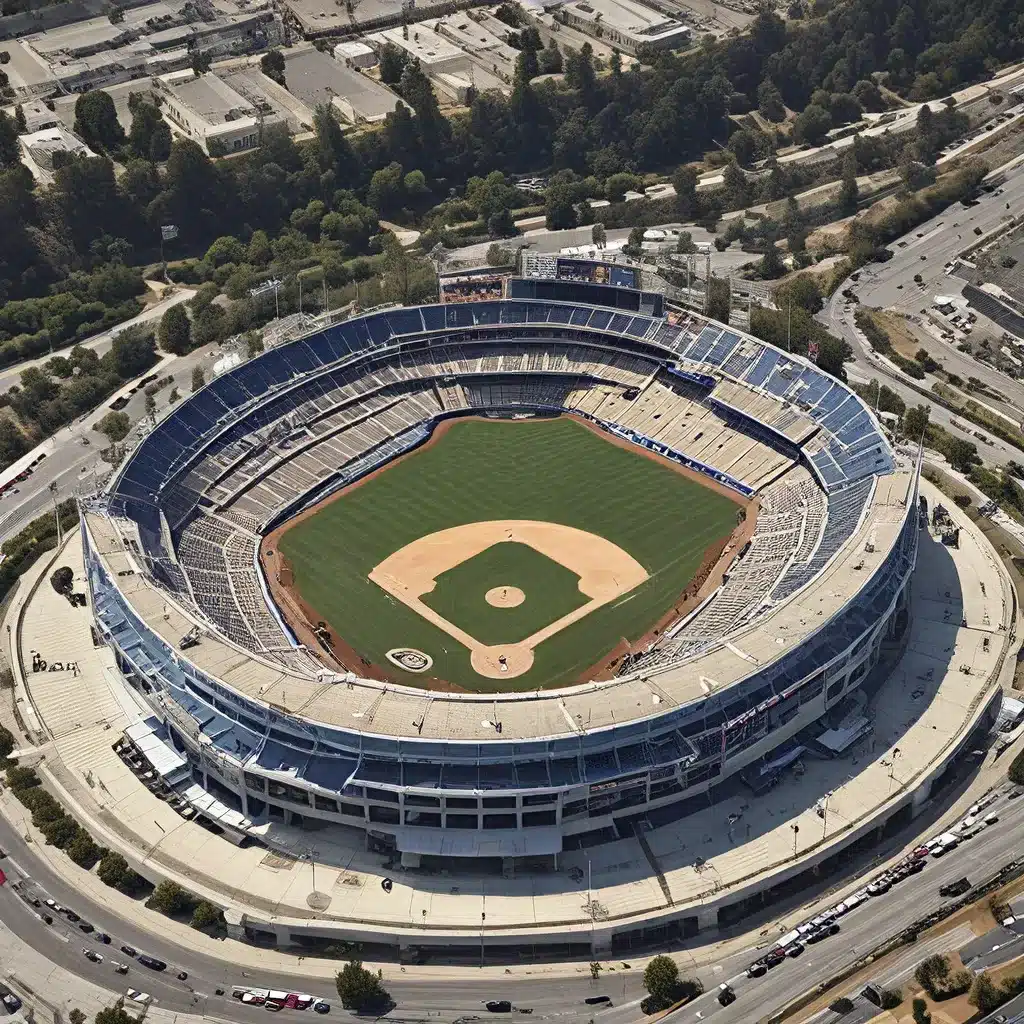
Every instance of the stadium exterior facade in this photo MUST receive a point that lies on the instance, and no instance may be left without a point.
(252, 728)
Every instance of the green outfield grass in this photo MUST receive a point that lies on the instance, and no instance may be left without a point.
(547, 470)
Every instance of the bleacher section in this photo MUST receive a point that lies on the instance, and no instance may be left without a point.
(787, 539)
(327, 408)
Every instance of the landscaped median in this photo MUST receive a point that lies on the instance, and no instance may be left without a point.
(62, 831)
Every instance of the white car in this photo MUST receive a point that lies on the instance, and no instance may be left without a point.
(139, 997)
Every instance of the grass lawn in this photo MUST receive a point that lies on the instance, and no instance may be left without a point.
(547, 470)
(551, 591)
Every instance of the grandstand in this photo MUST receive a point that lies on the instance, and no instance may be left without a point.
(797, 622)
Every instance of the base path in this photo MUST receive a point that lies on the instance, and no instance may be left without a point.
(605, 570)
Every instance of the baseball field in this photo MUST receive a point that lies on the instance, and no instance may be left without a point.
(517, 555)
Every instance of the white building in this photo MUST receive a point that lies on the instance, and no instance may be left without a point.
(355, 54)
(625, 24)
(435, 53)
(44, 145)
(209, 111)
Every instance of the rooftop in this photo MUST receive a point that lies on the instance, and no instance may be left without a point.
(210, 98)
(422, 42)
(316, 78)
(628, 17)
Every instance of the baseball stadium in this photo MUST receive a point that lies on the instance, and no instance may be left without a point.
(496, 578)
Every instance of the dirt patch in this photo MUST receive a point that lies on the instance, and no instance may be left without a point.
(504, 597)
(309, 627)
(605, 572)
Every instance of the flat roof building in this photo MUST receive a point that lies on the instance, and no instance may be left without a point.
(209, 111)
(316, 78)
(625, 24)
(435, 53)
(355, 54)
(45, 145)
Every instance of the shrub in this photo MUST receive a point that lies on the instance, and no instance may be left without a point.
(841, 1005)
(921, 1014)
(206, 915)
(360, 989)
(115, 872)
(891, 998)
(170, 898)
(1015, 773)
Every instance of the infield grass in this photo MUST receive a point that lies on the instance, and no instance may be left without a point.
(548, 470)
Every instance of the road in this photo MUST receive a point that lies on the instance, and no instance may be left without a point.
(444, 999)
(925, 252)
(862, 929)
(99, 343)
(71, 462)
(543, 240)
(454, 996)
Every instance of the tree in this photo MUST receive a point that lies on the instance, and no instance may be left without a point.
(206, 915)
(985, 995)
(849, 191)
(19, 119)
(1015, 772)
(10, 150)
(114, 871)
(962, 455)
(550, 58)
(661, 978)
(175, 333)
(634, 246)
(771, 265)
(685, 243)
(891, 998)
(560, 207)
(501, 225)
(272, 65)
(116, 1014)
(198, 379)
(360, 989)
(6, 742)
(96, 121)
(76, 1016)
(132, 352)
(684, 181)
(391, 62)
(920, 1011)
(200, 62)
(812, 125)
(915, 422)
(719, 300)
(769, 102)
(598, 235)
(82, 850)
(170, 898)
(801, 290)
(115, 425)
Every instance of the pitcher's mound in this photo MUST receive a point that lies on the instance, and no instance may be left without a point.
(504, 597)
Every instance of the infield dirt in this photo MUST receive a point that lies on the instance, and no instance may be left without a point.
(303, 615)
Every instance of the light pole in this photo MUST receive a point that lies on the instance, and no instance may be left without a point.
(796, 832)
(483, 917)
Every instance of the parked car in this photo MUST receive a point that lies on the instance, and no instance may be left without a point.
(152, 963)
(757, 970)
(86, 927)
(499, 1006)
(957, 888)
(138, 997)
(322, 1006)
(129, 951)
(102, 937)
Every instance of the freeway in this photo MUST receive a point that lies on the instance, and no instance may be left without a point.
(451, 994)
(926, 252)
(73, 453)
(863, 928)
